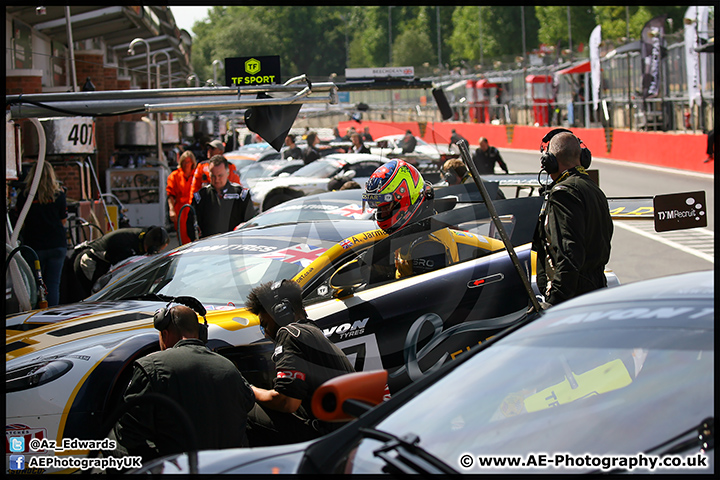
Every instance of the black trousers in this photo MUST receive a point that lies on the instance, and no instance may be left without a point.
(267, 427)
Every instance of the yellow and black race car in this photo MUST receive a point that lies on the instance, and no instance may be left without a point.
(67, 366)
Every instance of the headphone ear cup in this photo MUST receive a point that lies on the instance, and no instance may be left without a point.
(549, 163)
(283, 313)
(585, 158)
(161, 319)
(203, 332)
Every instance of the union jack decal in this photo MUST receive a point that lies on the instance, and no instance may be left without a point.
(302, 254)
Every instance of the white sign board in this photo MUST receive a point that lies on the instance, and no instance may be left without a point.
(380, 72)
(69, 134)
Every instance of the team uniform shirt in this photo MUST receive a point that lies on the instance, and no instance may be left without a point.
(572, 238)
(305, 359)
(426, 253)
(360, 149)
(295, 153)
(485, 161)
(208, 386)
(310, 154)
(220, 212)
(201, 177)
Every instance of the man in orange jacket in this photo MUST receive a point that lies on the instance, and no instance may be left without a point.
(178, 192)
(202, 172)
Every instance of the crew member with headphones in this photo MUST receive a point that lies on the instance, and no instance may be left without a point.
(573, 235)
(454, 172)
(304, 359)
(207, 386)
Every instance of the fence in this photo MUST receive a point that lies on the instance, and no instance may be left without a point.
(621, 103)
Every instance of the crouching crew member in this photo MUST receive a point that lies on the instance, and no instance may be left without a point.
(304, 359)
(205, 385)
(94, 259)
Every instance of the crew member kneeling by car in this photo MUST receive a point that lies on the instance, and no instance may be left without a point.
(207, 386)
(304, 359)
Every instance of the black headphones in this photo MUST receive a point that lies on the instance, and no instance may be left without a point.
(450, 174)
(277, 304)
(549, 163)
(163, 316)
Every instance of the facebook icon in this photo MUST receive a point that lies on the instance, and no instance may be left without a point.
(17, 462)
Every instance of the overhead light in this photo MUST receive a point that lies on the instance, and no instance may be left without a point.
(40, 11)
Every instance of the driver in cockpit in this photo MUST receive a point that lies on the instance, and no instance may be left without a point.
(401, 197)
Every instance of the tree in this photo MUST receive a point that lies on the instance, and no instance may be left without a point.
(554, 25)
(413, 46)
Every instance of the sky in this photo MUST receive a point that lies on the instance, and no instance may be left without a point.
(185, 17)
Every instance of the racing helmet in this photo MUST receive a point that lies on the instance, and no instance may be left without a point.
(398, 193)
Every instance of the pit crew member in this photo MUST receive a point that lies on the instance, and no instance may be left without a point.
(221, 205)
(573, 234)
(207, 386)
(304, 359)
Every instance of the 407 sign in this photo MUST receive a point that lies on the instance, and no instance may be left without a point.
(70, 135)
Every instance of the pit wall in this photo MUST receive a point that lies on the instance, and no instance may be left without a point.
(682, 151)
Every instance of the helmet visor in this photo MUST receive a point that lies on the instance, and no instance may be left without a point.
(374, 200)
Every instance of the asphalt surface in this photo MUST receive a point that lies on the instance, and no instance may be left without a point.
(638, 252)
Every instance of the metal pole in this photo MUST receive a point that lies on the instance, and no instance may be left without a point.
(214, 65)
(167, 58)
(73, 74)
(465, 153)
(131, 51)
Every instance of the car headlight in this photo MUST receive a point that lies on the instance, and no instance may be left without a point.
(36, 374)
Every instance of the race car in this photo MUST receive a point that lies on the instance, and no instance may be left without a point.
(315, 178)
(67, 366)
(620, 380)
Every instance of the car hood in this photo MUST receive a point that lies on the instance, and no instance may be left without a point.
(70, 327)
(281, 459)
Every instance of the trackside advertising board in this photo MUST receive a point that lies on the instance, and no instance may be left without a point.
(248, 71)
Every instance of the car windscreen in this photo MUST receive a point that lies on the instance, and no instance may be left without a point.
(308, 211)
(257, 170)
(604, 390)
(319, 168)
(218, 272)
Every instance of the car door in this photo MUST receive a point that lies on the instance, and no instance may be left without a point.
(411, 326)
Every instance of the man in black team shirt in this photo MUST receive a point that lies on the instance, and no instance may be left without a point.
(304, 359)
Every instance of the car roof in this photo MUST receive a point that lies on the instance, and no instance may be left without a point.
(354, 157)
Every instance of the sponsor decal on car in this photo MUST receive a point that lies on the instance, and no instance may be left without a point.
(350, 211)
(302, 254)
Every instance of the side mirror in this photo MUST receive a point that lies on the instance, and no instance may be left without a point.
(382, 144)
(349, 277)
(348, 396)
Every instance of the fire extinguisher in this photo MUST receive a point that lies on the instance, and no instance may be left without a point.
(687, 120)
